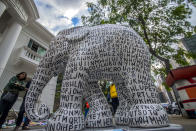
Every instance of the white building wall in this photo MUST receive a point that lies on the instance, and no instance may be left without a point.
(12, 68)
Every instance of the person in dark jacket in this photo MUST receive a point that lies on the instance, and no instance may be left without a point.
(10, 95)
(22, 112)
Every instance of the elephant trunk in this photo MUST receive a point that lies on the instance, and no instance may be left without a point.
(45, 71)
(39, 81)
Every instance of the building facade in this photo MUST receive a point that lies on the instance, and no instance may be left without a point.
(23, 42)
(188, 44)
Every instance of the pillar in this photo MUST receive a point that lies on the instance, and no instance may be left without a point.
(8, 43)
(2, 8)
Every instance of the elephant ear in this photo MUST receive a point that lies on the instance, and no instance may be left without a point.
(76, 33)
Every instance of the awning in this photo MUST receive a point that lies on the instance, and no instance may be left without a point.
(180, 73)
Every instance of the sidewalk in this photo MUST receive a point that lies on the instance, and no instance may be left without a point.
(188, 124)
(34, 128)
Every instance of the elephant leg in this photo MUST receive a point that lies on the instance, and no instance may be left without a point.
(125, 102)
(69, 116)
(99, 114)
(146, 110)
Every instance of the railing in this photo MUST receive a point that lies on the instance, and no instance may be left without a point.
(29, 55)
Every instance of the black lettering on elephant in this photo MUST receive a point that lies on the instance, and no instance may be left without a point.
(86, 55)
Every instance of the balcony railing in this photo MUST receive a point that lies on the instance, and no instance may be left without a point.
(29, 56)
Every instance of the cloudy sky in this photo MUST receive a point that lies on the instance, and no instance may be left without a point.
(56, 15)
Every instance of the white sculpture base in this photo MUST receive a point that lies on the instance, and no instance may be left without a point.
(171, 127)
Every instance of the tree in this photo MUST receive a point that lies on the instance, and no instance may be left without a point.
(161, 23)
(58, 92)
(193, 2)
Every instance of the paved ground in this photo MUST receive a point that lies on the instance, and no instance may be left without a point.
(33, 129)
(188, 124)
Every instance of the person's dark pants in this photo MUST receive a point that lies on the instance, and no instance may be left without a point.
(26, 122)
(21, 115)
(4, 108)
(115, 104)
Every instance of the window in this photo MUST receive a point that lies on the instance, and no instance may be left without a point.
(36, 47)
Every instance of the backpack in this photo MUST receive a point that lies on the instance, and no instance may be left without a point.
(113, 93)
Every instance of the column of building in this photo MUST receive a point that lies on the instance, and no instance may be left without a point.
(8, 42)
(6, 46)
(2, 8)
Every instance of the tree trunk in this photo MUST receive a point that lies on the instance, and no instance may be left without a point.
(166, 61)
(170, 96)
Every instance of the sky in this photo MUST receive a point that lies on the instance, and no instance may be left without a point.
(57, 15)
(193, 16)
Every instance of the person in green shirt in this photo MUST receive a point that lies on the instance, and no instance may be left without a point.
(10, 94)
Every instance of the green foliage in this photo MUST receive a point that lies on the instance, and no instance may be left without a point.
(166, 86)
(179, 57)
(58, 92)
(180, 12)
(159, 22)
(195, 29)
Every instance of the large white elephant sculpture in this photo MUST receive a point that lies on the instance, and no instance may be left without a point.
(87, 55)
